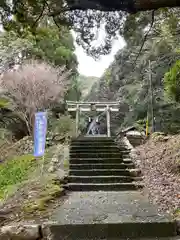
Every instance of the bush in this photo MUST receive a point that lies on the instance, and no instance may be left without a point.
(172, 82)
(62, 127)
(5, 135)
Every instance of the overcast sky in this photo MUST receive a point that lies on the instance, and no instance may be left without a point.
(89, 67)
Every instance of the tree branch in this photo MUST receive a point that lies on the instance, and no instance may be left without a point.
(145, 38)
(40, 15)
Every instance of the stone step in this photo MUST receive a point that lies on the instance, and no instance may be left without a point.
(99, 150)
(103, 186)
(96, 155)
(92, 142)
(95, 145)
(115, 231)
(95, 150)
(102, 179)
(93, 139)
(101, 166)
(76, 160)
(104, 172)
(99, 160)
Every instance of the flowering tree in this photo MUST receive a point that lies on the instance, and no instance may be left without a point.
(34, 86)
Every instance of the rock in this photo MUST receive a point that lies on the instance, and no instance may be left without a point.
(51, 169)
(55, 160)
(166, 139)
(178, 226)
(20, 232)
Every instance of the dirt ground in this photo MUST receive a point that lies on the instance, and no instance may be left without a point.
(159, 161)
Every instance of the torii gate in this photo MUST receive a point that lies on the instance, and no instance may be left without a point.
(93, 106)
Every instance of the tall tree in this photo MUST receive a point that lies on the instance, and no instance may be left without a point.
(112, 15)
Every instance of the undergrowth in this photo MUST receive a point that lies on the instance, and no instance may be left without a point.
(14, 171)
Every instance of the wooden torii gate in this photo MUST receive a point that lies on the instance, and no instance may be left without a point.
(93, 107)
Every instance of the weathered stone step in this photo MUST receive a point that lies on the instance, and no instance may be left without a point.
(115, 231)
(76, 160)
(73, 145)
(101, 166)
(90, 144)
(96, 154)
(102, 179)
(103, 186)
(93, 139)
(97, 149)
(104, 172)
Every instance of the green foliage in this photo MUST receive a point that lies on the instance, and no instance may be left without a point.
(86, 83)
(49, 44)
(129, 82)
(107, 76)
(14, 171)
(3, 102)
(172, 82)
(74, 93)
(28, 15)
(55, 45)
(64, 126)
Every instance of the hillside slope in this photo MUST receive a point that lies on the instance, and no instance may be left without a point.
(159, 162)
(86, 83)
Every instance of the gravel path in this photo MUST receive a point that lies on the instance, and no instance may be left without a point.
(107, 207)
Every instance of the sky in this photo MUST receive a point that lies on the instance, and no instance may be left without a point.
(89, 67)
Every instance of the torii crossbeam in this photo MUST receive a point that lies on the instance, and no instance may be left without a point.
(93, 106)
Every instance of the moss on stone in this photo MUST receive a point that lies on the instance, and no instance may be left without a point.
(66, 163)
(49, 192)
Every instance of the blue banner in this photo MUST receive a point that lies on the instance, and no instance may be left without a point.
(40, 129)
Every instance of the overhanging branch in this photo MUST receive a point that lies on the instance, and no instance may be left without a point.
(121, 5)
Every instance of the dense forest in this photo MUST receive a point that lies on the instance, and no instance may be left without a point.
(144, 76)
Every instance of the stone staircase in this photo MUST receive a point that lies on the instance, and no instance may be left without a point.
(103, 202)
(97, 164)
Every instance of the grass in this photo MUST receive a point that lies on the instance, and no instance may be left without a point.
(14, 171)
(27, 190)
(177, 213)
(66, 163)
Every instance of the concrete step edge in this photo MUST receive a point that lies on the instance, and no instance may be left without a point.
(116, 230)
(104, 176)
